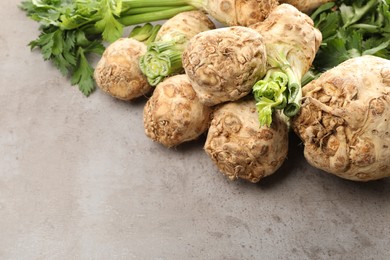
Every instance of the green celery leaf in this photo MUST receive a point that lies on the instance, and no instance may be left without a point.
(321, 9)
(108, 24)
(331, 55)
(45, 42)
(328, 24)
(95, 47)
(384, 17)
(350, 29)
(264, 111)
(83, 75)
(58, 42)
(62, 64)
(377, 48)
(112, 29)
(354, 44)
(351, 14)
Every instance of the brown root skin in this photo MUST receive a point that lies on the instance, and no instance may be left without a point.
(294, 31)
(118, 74)
(186, 24)
(223, 64)
(242, 149)
(306, 6)
(240, 12)
(174, 115)
(344, 121)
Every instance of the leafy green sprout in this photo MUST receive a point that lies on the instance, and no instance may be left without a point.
(280, 89)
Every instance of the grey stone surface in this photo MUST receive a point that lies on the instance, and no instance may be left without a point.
(80, 180)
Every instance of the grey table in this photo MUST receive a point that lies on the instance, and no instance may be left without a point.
(80, 180)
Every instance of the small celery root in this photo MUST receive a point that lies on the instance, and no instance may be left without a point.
(173, 114)
(242, 149)
(117, 72)
(240, 12)
(344, 122)
(164, 56)
(186, 24)
(223, 64)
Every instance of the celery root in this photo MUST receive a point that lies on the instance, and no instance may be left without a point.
(223, 64)
(173, 114)
(117, 72)
(344, 122)
(239, 12)
(242, 149)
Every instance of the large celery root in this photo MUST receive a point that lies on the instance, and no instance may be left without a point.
(344, 122)
(173, 114)
(242, 149)
(223, 64)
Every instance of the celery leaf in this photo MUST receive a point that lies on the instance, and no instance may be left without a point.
(351, 29)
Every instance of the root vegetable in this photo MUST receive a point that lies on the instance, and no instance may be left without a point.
(306, 6)
(118, 73)
(239, 12)
(173, 114)
(223, 64)
(242, 149)
(344, 122)
(184, 25)
(164, 56)
(291, 42)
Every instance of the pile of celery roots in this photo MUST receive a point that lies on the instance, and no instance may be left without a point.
(239, 86)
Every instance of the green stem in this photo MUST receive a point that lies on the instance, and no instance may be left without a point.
(270, 94)
(174, 59)
(292, 108)
(153, 3)
(162, 46)
(132, 19)
(142, 10)
(163, 58)
(309, 76)
(153, 34)
(294, 93)
(146, 33)
(158, 65)
(294, 85)
(153, 16)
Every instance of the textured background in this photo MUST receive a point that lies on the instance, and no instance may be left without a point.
(79, 180)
